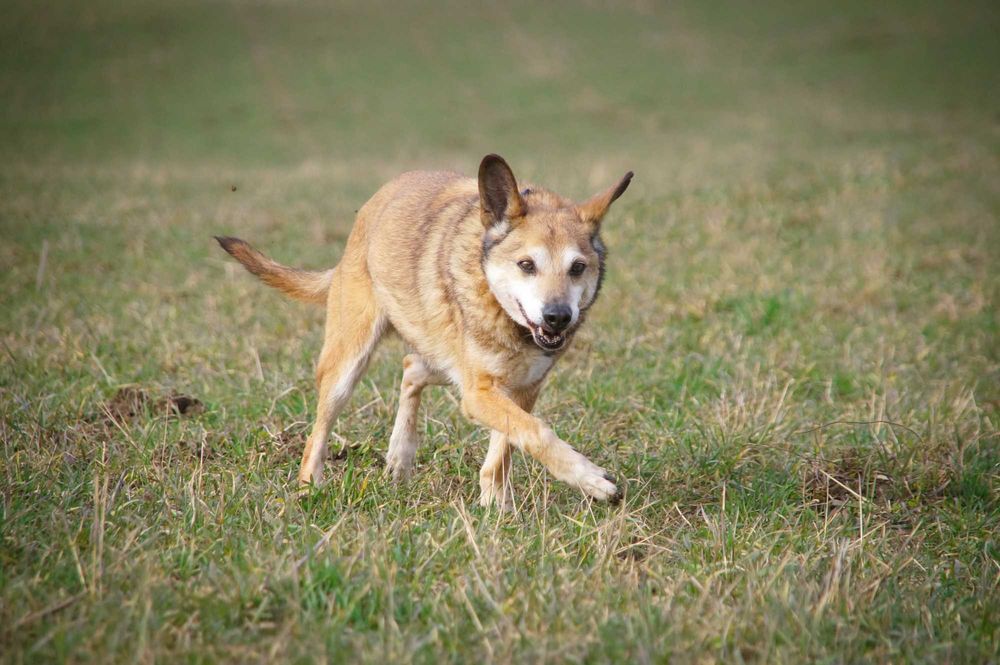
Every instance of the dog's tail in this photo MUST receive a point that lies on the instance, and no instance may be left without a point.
(309, 286)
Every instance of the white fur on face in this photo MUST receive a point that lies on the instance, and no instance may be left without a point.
(579, 291)
(511, 285)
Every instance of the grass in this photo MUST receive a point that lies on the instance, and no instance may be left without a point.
(794, 364)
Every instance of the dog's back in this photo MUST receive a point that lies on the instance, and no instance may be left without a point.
(423, 252)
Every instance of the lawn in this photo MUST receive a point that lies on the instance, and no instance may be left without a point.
(793, 369)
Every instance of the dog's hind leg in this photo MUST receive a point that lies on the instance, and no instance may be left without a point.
(354, 325)
(404, 440)
(494, 476)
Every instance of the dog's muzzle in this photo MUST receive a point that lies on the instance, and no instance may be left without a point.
(544, 336)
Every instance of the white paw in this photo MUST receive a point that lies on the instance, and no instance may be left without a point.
(489, 496)
(310, 479)
(596, 482)
(399, 466)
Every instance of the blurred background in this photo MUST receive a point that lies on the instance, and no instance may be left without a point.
(682, 91)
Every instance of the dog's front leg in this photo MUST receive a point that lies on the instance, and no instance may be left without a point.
(486, 403)
(494, 477)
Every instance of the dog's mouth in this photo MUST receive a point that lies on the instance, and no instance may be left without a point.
(544, 337)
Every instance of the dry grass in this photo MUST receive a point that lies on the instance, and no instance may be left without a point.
(793, 364)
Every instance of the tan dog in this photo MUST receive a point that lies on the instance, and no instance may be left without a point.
(486, 284)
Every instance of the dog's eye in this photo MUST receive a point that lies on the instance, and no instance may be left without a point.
(527, 265)
(577, 268)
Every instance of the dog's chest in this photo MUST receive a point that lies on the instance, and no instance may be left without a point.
(527, 370)
(538, 368)
(522, 368)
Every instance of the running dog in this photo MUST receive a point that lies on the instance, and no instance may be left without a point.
(485, 282)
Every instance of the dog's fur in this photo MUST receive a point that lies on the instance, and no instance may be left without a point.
(477, 276)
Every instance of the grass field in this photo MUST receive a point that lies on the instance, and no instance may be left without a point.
(794, 367)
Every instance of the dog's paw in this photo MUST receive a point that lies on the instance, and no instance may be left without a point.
(597, 483)
(399, 467)
(307, 491)
(310, 479)
(490, 496)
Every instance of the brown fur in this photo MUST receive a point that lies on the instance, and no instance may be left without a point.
(305, 285)
(417, 262)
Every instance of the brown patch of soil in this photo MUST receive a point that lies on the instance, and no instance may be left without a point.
(131, 401)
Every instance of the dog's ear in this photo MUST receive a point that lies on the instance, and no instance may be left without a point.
(593, 209)
(499, 199)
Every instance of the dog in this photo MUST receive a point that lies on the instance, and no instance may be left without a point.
(486, 283)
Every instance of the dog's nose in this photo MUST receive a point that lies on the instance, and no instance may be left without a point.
(557, 317)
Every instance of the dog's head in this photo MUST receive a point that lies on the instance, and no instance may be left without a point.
(542, 255)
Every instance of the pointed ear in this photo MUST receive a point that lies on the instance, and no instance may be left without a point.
(498, 195)
(592, 210)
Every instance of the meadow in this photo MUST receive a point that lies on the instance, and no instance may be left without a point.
(793, 368)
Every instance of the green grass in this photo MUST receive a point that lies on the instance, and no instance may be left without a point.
(793, 367)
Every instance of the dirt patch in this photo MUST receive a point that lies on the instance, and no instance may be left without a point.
(286, 445)
(184, 405)
(132, 401)
(843, 479)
